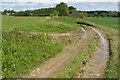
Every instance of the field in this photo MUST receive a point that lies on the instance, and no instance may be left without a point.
(40, 24)
(23, 50)
(106, 21)
(26, 43)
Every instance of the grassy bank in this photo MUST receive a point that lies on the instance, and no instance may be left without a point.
(109, 26)
(23, 51)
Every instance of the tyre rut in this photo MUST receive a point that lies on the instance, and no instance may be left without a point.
(59, 61)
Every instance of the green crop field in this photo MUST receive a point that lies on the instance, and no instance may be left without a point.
(110, 26)
(106, 21)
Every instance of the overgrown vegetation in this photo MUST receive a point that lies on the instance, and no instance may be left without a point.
(22, 51)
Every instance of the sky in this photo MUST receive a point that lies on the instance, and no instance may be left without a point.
(84, 5)
(44, 1)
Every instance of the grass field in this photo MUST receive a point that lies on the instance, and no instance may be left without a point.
(39, 24)
(106, 21)
(110, 26)
(23, 51)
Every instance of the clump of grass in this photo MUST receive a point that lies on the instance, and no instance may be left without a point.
(22, 51)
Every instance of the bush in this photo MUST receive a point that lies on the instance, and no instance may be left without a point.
(55, 13)
(78, 15)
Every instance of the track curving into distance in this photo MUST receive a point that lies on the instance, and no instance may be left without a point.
(51, 66)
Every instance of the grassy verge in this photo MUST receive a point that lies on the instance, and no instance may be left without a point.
(75, 66)
(22, 51)
(109, 26)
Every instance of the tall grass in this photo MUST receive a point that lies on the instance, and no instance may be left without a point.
(23, 51)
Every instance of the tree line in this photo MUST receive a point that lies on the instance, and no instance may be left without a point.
(100, 13)
(61, 9)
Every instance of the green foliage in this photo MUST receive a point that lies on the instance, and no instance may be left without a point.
(63, 9)
(72, 9)
(82, 16)
(10, 12)
(100, 13)
(55, 13)
(36, 12)
(22, 51)
(78, 15)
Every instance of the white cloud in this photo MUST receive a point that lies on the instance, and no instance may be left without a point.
(57, 1)
(92, 4)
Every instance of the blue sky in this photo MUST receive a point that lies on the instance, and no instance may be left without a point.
(86, 5)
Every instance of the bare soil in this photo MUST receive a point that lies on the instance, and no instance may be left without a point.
(97, 65)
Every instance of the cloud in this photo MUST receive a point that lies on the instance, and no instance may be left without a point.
(29, 2)
(92, 4)
(79, 5)
(56, 1)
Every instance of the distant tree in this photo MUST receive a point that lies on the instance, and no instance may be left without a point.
(82, 16)
(103, 15)
(95, 13)
(55, 13)
(43, 11)
(8, 12)
(63, 9)
(112, 14)
(72, 9)
(78, 15)
(4, 12)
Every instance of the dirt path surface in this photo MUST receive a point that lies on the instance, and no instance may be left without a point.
(51, 66)
(96, 67)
